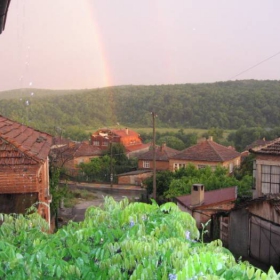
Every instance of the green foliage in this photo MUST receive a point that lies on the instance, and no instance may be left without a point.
(246, 136)
(246, 167)
(220, 105)
(172, 184)
(76, 133)
(163, 180)
(98, 169)
(118, 153)
(172, 142)
(122, 240)
(216, 133)
(178, 140)
(57, 191)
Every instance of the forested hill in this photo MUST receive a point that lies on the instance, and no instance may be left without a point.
(223, 104)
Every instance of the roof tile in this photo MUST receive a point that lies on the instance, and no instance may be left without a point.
(207, 150)
(211, 197)
(19, 143)
(162, 153)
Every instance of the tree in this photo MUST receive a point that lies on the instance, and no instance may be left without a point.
(121, 240)
(163, 180)
(98, 169)
(58, 192)
(172, 142)
(172, 184)
(216, 133)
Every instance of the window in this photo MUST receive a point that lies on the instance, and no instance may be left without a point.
(230, 167)
(270, 180)
(95, 143)
(146, 164)
(105, 144)
(200, 166)
(176, 166)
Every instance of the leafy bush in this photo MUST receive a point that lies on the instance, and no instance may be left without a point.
(172, 184)
(119, 241)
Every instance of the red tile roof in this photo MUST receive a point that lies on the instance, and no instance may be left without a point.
(21, 144)
(125, 132)
(84, 149)
(207, 150)
(211, 197)
(163, 153)
(273, 148)
(137, 147)
(258, 143)
(122, 133)
(73, 150)
(59, 141)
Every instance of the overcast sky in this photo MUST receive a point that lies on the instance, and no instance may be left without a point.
(75, 44)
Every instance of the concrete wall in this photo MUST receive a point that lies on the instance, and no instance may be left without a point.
(133, 179)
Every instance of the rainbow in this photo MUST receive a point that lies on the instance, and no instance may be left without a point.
(100, 49)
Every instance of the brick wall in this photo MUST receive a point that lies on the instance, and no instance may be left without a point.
(160, 165)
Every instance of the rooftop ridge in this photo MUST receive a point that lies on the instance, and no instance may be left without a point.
(210, 142)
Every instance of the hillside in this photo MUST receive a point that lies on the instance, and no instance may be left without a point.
(227, 105)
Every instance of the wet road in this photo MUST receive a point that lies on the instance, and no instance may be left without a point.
(118, 192)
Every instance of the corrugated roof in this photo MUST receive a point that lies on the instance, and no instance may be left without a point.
(211, 197)
(163, 153)
(21, 144)
(207, 150)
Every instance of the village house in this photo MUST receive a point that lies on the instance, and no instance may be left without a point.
(130, 139)
(24, 168)
(70, 154)
(254, 225)
(203, 205)
(162, 156)
(267, 168)
(206, 153)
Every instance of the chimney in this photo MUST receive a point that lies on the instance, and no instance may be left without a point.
(126, 131)
(163, 145)
(197, 194)
(210, 138)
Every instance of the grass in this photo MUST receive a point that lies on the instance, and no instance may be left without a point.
(74, 197)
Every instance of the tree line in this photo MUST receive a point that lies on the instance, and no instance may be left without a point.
(227, 105)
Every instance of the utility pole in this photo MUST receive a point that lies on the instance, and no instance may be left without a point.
(154, 156)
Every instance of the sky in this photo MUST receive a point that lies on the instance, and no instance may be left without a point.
(70, 44)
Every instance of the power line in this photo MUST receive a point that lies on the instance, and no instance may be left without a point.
(255, 65)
